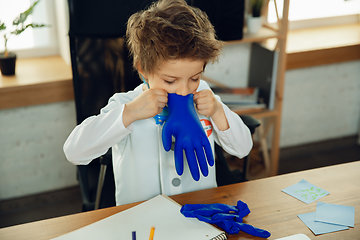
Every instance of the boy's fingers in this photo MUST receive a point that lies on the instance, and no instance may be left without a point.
(161, 95)
(160, 109)
(202, 94)
(163, 100)
(160, 92)
(196, 95)
(161, 105)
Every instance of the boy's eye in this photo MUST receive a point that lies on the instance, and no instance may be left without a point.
(195, 79)
(169, 82)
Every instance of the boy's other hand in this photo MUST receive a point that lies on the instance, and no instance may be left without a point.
(208, 106)
(206, 103)
(148, 104)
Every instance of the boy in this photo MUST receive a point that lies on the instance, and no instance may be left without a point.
(171, 43)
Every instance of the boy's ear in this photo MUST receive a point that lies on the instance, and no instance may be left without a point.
(142, 77)
(141, 72)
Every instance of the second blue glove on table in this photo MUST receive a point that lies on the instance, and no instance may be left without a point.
(227, 217)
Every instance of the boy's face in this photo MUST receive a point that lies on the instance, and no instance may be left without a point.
(181, 76)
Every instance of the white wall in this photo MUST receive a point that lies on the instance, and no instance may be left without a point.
(232, 67)
(31, 156)
(319, 103)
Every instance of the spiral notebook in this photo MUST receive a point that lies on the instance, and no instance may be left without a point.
(161, 212)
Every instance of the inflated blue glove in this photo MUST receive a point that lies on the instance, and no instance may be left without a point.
(224, 216)
(183, 123)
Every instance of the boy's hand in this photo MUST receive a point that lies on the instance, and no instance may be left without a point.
(206, 103)
(148, 104)
(208, 106)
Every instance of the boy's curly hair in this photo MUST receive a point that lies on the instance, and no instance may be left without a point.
(170, 29)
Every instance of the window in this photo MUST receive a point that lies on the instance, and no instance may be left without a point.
(310, 13)
(32, 42)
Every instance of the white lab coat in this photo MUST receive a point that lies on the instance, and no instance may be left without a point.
(142, 168)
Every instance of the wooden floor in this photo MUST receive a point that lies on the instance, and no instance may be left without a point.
(68, 201)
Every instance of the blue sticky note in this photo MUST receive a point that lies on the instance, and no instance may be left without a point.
(336, 214)
(305, 191)
(319, 227)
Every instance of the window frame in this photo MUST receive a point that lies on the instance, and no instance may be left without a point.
(51, 32)
(352, 17)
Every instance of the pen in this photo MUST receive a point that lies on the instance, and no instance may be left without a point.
(133, 235)
(152, 231)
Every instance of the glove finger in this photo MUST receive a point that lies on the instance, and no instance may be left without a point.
(194, 214)
(253, 230)
(225, 208)
(179, 158)
(192, 162)
(221, 208)
(243, 209)
(204, 212)
(228, 227)
(210, 209)
(166, 136)
(207, 147)
(199, 209)
(202, 160)
(224, 216)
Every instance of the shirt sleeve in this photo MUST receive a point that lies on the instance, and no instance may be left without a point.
(96, 134)
(236, 140)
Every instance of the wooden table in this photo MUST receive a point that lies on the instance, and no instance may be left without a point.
(270, 208)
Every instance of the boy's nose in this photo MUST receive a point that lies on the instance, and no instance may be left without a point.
(183, 90)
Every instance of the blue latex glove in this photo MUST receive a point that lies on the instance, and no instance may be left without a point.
(183, 123)
(224, 216)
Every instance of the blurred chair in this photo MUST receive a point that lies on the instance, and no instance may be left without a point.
(101, 67)
(225, 176)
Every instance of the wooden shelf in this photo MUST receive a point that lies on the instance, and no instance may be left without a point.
(320, 38)
(323, 45)
(263, 34)
(37, 81)
(31, 71)
(265, 114)
(323, 57)
(256, 112)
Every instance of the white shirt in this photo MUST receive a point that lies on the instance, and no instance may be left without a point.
(142, 168)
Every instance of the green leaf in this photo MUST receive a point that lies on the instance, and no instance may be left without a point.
(2, 26)
(31, 25)
(256, 6)
(23, 16)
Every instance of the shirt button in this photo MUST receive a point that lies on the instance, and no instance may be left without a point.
(176, 182)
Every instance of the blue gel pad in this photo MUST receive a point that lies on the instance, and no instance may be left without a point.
(162, 117)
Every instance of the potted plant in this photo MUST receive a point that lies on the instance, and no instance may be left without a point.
(254, 19)
(19, 25)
